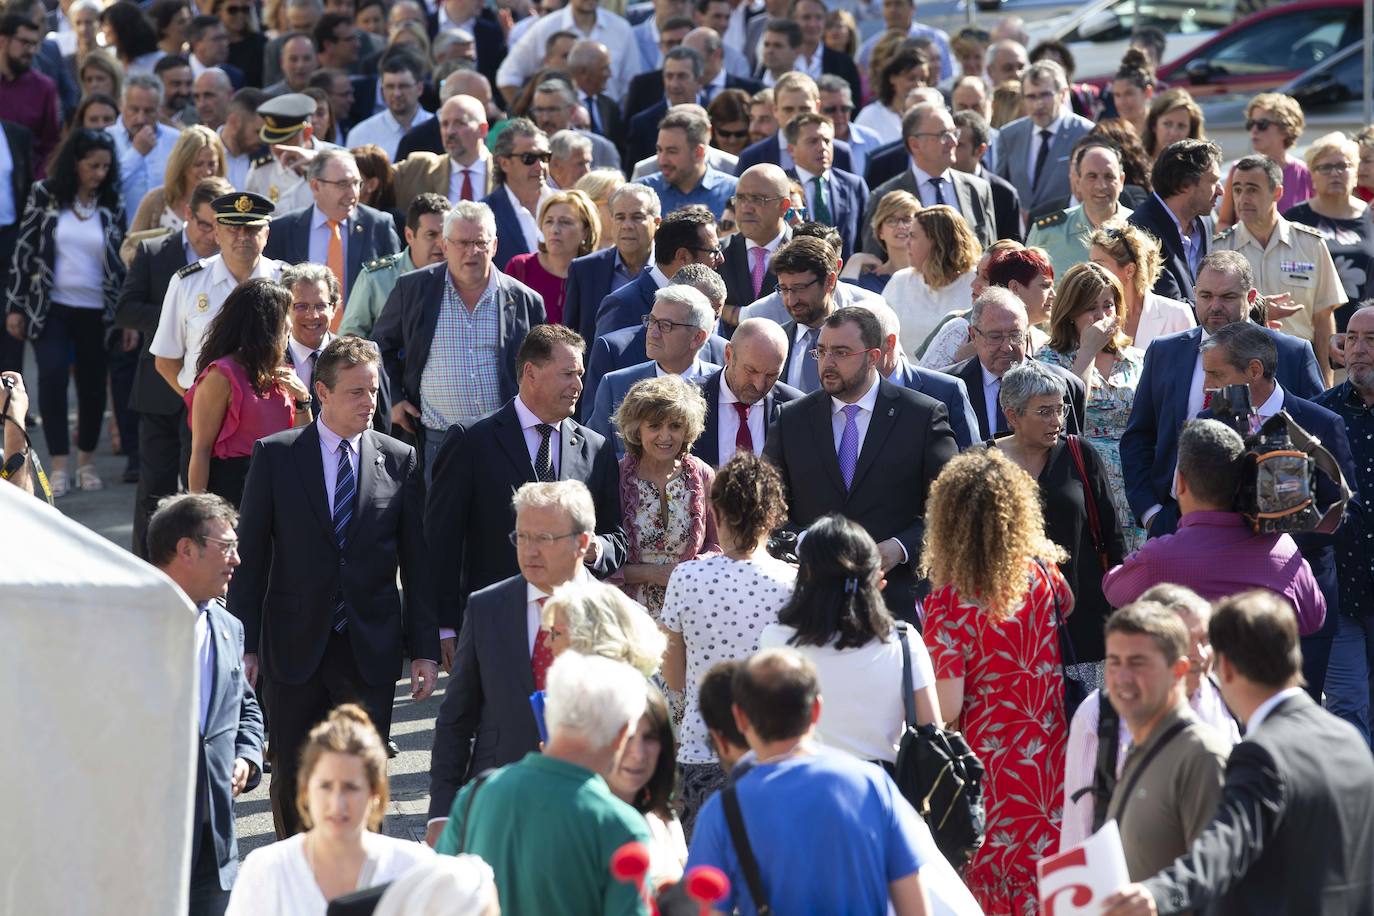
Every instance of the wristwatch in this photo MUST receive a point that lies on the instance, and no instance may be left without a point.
(302, 405)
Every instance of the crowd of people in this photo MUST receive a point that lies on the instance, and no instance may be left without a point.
(722, 395)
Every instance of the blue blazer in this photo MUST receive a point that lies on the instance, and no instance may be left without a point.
(589, 282)
(626, 306)
(612, 391)
(641, 139)
(1149, 446)
(848, 201)
(769, 149)
(624, 348)
(233, 729)
(1175, 280)
(948, 390)
(510, 239)
(372, 235)
(707, 446)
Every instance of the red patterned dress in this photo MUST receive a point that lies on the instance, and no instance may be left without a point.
(1013, 717)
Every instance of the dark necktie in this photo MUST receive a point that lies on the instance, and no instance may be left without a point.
(744, 440)
(590, 103)
(466, 192)
(345, 487)
(999, 422)
(822, 201)
(937, 183)
(543, 461)
(314, 397)
(1041, 155)
(810, 377)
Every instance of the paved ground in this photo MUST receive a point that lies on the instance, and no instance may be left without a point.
(109, 512)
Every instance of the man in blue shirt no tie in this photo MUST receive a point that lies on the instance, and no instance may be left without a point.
(684, 177)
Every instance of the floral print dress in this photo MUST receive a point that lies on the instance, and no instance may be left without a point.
(664, 529)
(1107, 410)
(1013, 717)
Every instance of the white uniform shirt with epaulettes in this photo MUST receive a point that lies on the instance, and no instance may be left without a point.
(370, 291)
(286, 188)
(194, 296)
(1296, 261)
(1064, 235)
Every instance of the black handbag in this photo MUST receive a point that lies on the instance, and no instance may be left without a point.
(938, 773)
(1075, 692)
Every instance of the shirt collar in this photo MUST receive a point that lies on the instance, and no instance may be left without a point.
(331, 439)
(320, 221)
(806, 177)
(727, 395)
(533, 593)
(659, 276)
(1273, 404)
(300, 352)
(1262, 712)
(1213, 519)
(691, 373)
(988, 378)
(923, 178)
(1182, 231)
(867, 402)
(527, 417)
(772, 246)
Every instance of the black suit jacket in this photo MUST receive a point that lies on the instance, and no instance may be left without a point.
(140, 308)
(371, 235)
(422, 138)
(641, 137)
(292, 568)
(707, 446)
(848, 200)
(468, 512)
(908, 441)
(1294, 829)
(738, 275)
(973, 193)
(608, 122)
(1006, 205)
(405, 329)
(646, 90)
(769, 149)
(842, 65)
(1175, 281)
(971, 371)
(485, 720)
(886, 163)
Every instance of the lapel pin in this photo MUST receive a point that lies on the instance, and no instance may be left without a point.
(357, 227)
(224, 634)
(892, 411)
(379, 460)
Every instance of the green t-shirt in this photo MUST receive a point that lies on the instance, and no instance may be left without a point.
(548, 829)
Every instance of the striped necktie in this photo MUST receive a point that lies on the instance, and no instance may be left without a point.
(345, 488)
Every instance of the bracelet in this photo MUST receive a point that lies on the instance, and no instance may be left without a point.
(302, 406)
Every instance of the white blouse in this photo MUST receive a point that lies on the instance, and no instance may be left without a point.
(278, 879)
(880, 119)
(78, 277)
(1160, 316)
(863, 713)
(920, 308)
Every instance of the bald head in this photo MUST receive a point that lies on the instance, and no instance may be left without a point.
(468, 82)
(463, 127)
(589, 64)
(754, 358)
(761, 202)
(210, 93)
(707, 43)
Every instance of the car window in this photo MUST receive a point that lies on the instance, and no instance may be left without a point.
(1341, 82)
(1296, 41)
(1173, 17)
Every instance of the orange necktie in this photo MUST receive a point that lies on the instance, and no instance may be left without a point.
(335, 262)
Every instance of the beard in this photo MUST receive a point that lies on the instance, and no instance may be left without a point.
(17, 66)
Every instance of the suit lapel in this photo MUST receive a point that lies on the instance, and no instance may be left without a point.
(973, 380)
(357, 238)
(880, 426)
(310, 464)
(967, 204)
(429, 315)
(737, 266)
(515, 625)
(368, 458)
(225, 654)
(823, 438)
(1187, 360)
(710, 433)
(512, 439)
(573, 461)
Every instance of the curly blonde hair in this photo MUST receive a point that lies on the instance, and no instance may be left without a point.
(661, 400)
(1125, 243)
(984, 526)
(1077, 293)
(582, 205)
(954, 250)
(603, 621)
(1287, 112)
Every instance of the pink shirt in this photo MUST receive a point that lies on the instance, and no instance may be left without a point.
(527, 269)
(249, 416)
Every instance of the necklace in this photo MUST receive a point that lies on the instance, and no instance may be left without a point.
(83, 211)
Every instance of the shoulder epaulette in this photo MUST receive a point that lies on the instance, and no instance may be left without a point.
(191, 268)
(1054, 219)
(1303, 227)
(1224, 234)
(264, 159)
(382, 262)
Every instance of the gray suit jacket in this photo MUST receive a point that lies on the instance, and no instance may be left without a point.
(1014, 144)
(975, 203)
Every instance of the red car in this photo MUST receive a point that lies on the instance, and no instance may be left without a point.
(1266, 49)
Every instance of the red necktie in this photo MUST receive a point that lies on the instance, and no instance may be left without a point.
(1206, 398)
(542, 656)
(744, 442)
(466, 193)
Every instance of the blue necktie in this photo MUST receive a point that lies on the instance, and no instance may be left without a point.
(344, 489)
(849, 445)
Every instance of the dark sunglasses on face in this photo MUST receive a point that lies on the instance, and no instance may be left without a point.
(530, 158)
(1259, 124)
(732, 134)
(236, 10)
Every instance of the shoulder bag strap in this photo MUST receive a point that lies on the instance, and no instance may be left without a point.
(734, 819)
(908, 700)
(1104, 767)
(467, 809)
(1150, 755)
(1094, 520)
(1067, 656)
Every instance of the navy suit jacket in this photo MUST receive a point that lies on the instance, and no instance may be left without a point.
(233, 729)
(848, 201)
(641, 139)
(589, 283)
(371, 235)
(646, 89)
(707, 446)
(1149, 446)
(422, 138)
(510, 239)
(769, 149)
(626, 306)
(886, 163)
(624, 348)
(948, 390)
(1176, 279)
(612, 390)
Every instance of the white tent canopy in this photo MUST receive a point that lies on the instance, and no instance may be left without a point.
(97, 662)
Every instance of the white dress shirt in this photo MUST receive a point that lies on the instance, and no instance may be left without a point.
(205, 659)
(534, 438)
(808, 182)
(329, 453)
(384, 130)
(861, 421)
(771, 247)
(1262, 712)
(477, 174)
(300, 359)
(696, 372)
(927, 191)
(319, 237)
(727, 421)
(811, 66)
(528, 227)
(527, 53)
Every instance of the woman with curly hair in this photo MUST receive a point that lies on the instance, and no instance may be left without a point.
(990, 626)
(1275, 123)
(717, 607)
(943, 253)
(595, 619)
(242, 391)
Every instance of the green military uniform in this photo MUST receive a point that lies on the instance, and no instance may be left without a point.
(1064, 235)
(370, 291)
(1296, 261)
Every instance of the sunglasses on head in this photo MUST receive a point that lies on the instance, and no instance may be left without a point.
(530, 158)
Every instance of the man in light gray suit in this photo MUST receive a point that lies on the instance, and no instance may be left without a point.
(1033, 152)
(931, 138)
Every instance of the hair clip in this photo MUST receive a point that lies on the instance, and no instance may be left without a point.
(851, 585)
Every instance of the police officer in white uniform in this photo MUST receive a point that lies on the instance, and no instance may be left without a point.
(279, 172)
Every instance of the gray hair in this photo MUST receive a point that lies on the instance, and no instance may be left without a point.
(449, 38)
(602, 620)
(1230, 262)
(566, 142)
(689, 54)
(220, 78)
(143, 81)
(829, 82)
(995, 296)
(592, 697)
(306, 272)
(1046, 71)
(645, 194)
(505, 141)
(702, 316)
(315, 168)
(570, 496)
(586, 53)
(1240, 342)
(81, 6)
(557, 87)
(471, 211)
(887, 318)
(1026, 381)
(702, 279)
(184, 516)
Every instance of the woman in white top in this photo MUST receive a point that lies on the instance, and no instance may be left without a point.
(837, 618)
(342, 795)
(1132, 255)
(716, 607)
(906, 70)
(951, 342)
(944, 253)
(198, 154)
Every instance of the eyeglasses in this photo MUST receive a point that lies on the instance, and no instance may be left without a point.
(1050, 413)
(821, 354)
(1002, 338)
(530, 158)
(756, 200)
(951, 135)
(662, 325)
(524, 538)
(545, 110)
(350, 183)
(1259, 124)
(224, 546)
(715, 253)
(799, 288)
(304, 307)
(1332, 168)
(900, 221)
(831, 110)
(469, 244)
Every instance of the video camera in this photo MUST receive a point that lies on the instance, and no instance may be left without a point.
(1278, 491)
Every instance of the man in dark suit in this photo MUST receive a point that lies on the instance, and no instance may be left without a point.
(589, 65)
(421, 333)
(20, 142)
(762, 201)
(336, 230)
(486, 720)
(591, 278)
(1186, 177)
(974, 137)
(520, 163)
(685, 236)
(1294, 829)
(532, 438)
(191, 540)
(865, 448)
(1033, 151)
(646, 89)
(998, 324)
(948, 390)
(833, 197)
(1172, 387)
(478, 21)
(929, 134)
(794, 94)
(162, 412)
(744, 398)
(682, 71)
(330, 512)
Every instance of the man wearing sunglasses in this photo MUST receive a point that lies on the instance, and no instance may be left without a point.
(521, 170)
